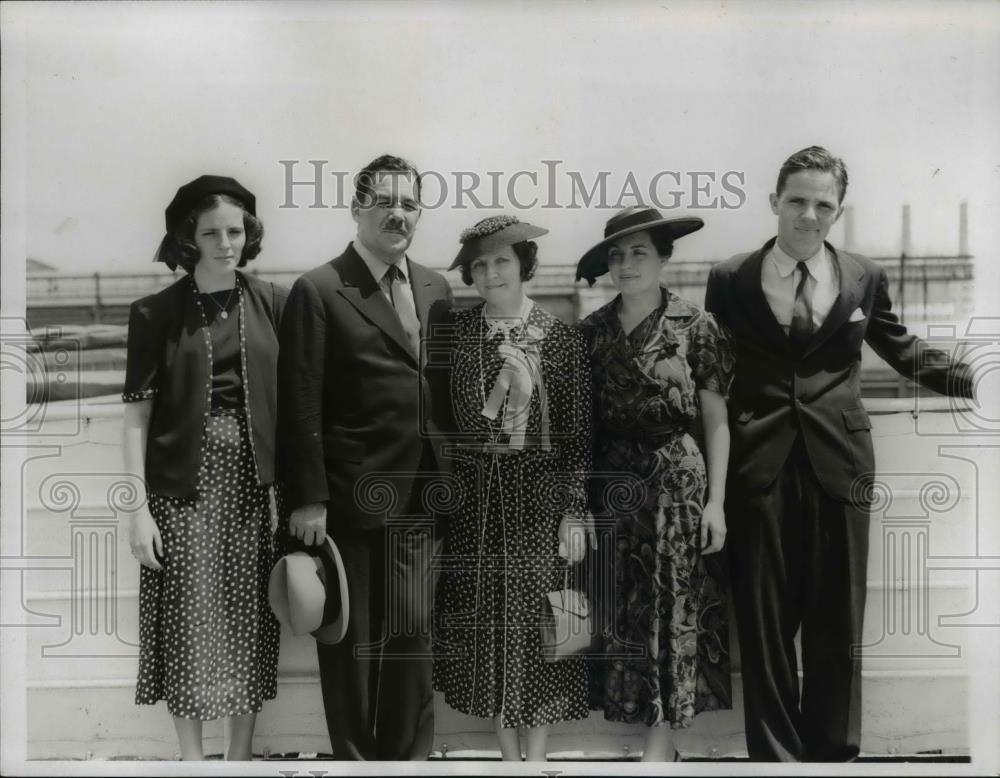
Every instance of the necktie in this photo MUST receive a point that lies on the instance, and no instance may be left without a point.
(801, 328)
(394, 281)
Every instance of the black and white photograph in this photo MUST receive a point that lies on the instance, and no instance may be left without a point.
(577, 385)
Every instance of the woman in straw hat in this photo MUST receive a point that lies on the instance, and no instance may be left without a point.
(661, 370)
(199, 426)
(520, 390)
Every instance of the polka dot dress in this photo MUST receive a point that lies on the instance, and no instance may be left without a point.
(501, 553)
(209, 642)
(208, 638)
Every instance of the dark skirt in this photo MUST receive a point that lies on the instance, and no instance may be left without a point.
(501, 559)
(661, 605)
(208, 639)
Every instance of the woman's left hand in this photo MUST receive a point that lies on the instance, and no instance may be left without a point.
(574, 534)
(713, 528)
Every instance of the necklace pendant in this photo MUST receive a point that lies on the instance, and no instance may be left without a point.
(224, 315)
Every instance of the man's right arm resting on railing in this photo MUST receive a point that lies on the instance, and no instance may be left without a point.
(144, 535)
(910, 356)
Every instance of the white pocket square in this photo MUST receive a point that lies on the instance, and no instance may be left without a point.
(858, 315)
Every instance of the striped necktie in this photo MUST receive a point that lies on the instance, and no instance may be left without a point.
(394, 280)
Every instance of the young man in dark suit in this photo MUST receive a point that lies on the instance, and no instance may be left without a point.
(354, 400)
(801, 459)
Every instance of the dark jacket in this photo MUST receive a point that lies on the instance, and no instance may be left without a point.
(353, 398)
(776, 393)
(168, 363)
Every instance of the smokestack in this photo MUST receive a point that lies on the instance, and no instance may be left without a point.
(849, 228)
(963, 230)
(906, 230)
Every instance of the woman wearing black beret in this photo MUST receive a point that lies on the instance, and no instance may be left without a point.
(199, 426)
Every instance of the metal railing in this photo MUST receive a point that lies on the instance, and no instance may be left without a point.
(104, 288)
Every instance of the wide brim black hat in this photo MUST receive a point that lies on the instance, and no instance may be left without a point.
(491, 234)
(594, 263)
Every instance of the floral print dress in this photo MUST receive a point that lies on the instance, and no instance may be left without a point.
(660, 614)
(522, 454)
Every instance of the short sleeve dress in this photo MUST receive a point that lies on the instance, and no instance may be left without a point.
(208, 639)
(522, 456)
(660, 605)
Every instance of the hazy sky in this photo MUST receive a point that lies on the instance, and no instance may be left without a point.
(108, 107)
(125, 102)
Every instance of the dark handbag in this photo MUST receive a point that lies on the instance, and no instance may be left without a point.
(566, 623)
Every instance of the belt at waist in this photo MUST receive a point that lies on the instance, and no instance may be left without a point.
(239, 412)
(531, 443)
(653, 431)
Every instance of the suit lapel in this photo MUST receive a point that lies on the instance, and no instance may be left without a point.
(850, 274)
(752, 296)
(422, 284)
(361, 291)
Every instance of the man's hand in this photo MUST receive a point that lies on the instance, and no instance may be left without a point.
(308, 523)
(713, 527)
(574, 534)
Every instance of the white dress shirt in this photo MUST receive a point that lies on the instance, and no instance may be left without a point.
(779, 281)
(378, 269)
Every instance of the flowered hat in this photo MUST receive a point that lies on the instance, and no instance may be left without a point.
(491, 234)
(594, 263)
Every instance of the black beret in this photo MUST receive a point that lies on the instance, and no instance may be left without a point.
(192, 193)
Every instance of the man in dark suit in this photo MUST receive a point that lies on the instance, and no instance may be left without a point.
(801, 460)
(354, 400)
